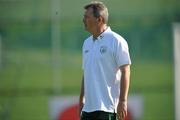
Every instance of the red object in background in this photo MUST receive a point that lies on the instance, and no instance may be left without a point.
(129, 116)
(71, 113)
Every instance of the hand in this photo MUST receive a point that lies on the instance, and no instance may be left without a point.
(80, 108)
(122, 110)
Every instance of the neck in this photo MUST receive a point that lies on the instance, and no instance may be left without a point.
(99, 30)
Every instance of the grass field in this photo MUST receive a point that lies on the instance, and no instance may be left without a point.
(26, 85)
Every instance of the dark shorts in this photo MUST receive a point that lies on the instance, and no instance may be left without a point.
(98, 115)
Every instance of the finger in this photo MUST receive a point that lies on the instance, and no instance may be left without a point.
(125, 113)
(121, 115)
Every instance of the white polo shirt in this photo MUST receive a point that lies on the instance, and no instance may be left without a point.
(101, 61)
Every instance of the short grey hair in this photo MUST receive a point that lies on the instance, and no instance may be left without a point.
(99, 9)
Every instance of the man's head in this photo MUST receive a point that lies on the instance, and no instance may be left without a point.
(96, 14)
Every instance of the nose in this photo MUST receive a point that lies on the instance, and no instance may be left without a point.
(83, 20)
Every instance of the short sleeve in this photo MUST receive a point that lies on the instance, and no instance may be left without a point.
(122, 56)
(83, 57)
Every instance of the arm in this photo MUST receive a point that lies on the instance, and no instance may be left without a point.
(81, 97)
(124, 88)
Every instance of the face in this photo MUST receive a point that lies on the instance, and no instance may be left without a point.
(90, 22)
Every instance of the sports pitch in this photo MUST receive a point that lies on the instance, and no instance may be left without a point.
(26, 85)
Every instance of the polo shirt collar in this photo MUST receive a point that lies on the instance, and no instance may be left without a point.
(102, 34)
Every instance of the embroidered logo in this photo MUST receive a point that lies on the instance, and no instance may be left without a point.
(103, 49)
(86, 51)
(101, 36)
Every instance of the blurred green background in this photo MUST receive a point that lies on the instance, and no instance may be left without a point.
(26, 63)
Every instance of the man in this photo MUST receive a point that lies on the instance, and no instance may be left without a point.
(106, 66)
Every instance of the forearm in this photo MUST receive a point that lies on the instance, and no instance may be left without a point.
(124, 85)
(81, 97)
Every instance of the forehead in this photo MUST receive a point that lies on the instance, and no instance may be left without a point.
(88, 11)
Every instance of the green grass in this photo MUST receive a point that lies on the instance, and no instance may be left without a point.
(24, 108)
(26, 84)
(158, 106)
(152, 76)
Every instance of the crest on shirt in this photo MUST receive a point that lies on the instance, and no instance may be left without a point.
(86, 51)
(103, 49)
